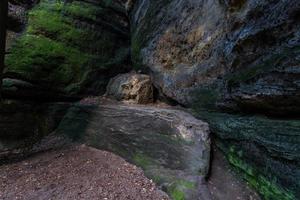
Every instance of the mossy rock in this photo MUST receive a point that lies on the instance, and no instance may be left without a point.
(265, 150)
(171, 146)
(63, 43)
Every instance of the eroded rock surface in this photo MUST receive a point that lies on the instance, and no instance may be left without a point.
(171, 145)
(221, 46)
(132, 87)
(73, 47)
(231, 56)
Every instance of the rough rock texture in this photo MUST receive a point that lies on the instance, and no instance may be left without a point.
(23, 124)
(71, 46)
(172, 146)
(248, 50)
(238, 56)
(22, 90)
(133, 87)
(265, 150)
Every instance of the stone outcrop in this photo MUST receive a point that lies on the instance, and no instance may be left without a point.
(231, 56)
(265, 150)
(133, 87)
(246, 52)
(23, 124)
(170, 145)
(71, 46)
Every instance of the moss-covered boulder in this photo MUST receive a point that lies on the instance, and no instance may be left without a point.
(72, 46)
(170, 145)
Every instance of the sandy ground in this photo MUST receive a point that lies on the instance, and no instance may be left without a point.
(77, 172)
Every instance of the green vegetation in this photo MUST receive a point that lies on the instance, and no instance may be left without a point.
(57, 52)
(268, 189)
(82, 10)
(143, 160)
(32, 51)
(178, 189)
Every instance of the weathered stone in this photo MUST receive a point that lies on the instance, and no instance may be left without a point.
(237, 55)
(172, 146)
(229, 43)
(131, 87)
(72, 46)
(23, 124)
(267, 151)
(23, 90)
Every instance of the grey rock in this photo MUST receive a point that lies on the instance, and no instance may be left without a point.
(190, 45)
(23, 124)
(170, 145)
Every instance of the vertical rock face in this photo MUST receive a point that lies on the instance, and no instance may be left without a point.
(232, 45)
(231, 55)
(72, 46)
(64, 48)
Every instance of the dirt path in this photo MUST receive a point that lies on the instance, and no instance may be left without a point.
(80, 172)
(224, 184)
(77, 172)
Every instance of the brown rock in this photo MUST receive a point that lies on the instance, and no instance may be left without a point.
(131, 87)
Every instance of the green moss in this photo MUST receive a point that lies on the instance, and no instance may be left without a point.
(143, 160)
(55, 26)
(82, 10)
(178, 189)
(40, 58)
(54, 50)
(59, 27)
(177, 195)
(48, 5)
(268, 189)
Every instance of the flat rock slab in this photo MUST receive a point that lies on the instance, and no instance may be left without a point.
(76, 172)
(170, 145)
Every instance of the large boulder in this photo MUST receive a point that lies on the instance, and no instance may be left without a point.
(131, 87)
(169, 144)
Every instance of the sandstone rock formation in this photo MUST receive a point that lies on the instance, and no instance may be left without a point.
(71, 46)
(132, 87)
(234, 62)
(171, 145)
(233, 56)
(235, 50)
